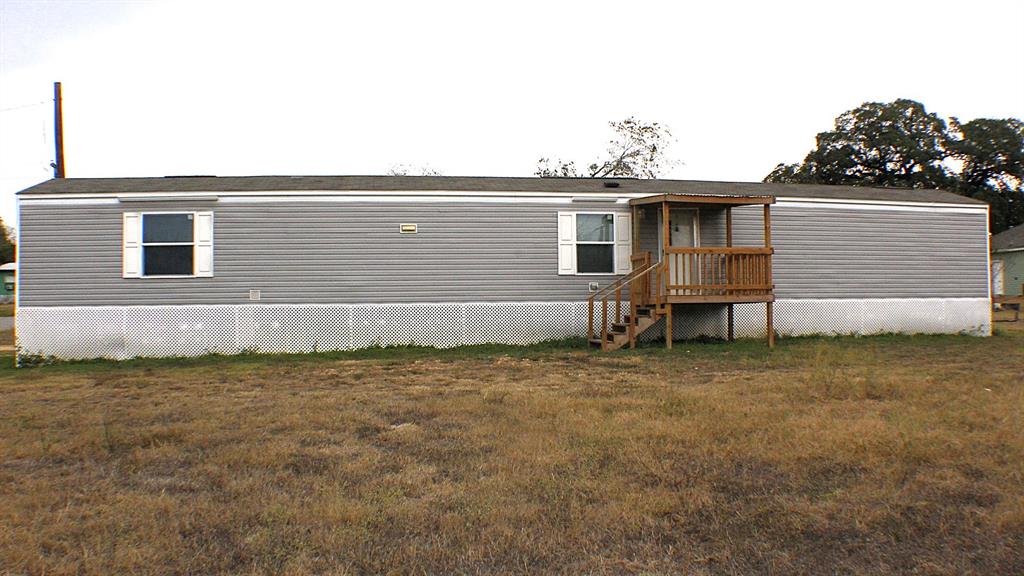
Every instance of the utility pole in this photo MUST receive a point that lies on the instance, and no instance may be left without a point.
(58, 122)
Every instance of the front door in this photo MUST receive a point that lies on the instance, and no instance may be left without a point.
(682, 233)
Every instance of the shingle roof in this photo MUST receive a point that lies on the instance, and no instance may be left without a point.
(481, 184)
(1011, 239)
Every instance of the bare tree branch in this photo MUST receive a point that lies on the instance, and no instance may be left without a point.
(638, 150)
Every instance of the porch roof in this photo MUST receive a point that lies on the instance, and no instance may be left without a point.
(721, 199)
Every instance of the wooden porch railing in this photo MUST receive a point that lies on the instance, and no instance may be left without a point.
(1005, 299)
(726, 275)
(638, 283)
(732, 271)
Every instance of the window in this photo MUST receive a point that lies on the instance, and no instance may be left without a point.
(162, 244)
(167, 244)
(593, 243)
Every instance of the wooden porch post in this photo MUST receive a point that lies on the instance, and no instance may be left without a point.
(728, 226)
(768, 244)
(668, 326)
(728, 268)
(635, 229)
(664, 230)
(665, 263)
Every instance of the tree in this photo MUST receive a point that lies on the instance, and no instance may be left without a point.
(638, 150)
(899, 144)
(7, 248)
(896, 144)
(991, 155)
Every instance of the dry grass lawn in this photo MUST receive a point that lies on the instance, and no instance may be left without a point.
(873, 455)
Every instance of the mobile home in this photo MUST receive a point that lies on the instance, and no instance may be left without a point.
(8, 275)
(128, 267)
(1008, 262)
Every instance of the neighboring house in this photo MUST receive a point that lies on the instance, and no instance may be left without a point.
(1008, 262)
(8, 275)
(190, 265)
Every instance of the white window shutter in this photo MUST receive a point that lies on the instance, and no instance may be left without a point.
(131, 245)
(204, 244)
(566, 243)
(623, 244)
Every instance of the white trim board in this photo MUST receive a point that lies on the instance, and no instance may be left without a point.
(408, 199)
(880, 206)
(779, 199)
(435, 196)
(66, 201)
(924, 300)
(988, 258)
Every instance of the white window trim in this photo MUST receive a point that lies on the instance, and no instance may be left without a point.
(576, 242)
(200, 241)
(570, 242)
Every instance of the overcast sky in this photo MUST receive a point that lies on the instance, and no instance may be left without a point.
(474, 88)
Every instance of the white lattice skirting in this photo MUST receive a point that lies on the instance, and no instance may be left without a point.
(133, 331)
(121, 332)
(805, 317)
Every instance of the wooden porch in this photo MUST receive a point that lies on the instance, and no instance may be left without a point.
(1016, 301)
(678, 275)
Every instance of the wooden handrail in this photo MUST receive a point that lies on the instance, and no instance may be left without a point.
(634, 297)
(720, 286)
(620, 282)
(626, 280)
(722, 250)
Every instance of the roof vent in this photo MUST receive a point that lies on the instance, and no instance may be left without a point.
(611, 184)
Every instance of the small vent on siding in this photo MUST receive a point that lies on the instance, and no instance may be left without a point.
(254, 295)
(611, 184)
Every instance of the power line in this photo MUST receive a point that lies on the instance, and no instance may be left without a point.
(13, 108)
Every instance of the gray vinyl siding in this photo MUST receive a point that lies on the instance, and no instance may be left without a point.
(350, 253)
(712, 228)
(648, 231)
(853, 253)
(1013, 272)
(310, 252)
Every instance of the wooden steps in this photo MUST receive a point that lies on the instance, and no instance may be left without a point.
(618, 332)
